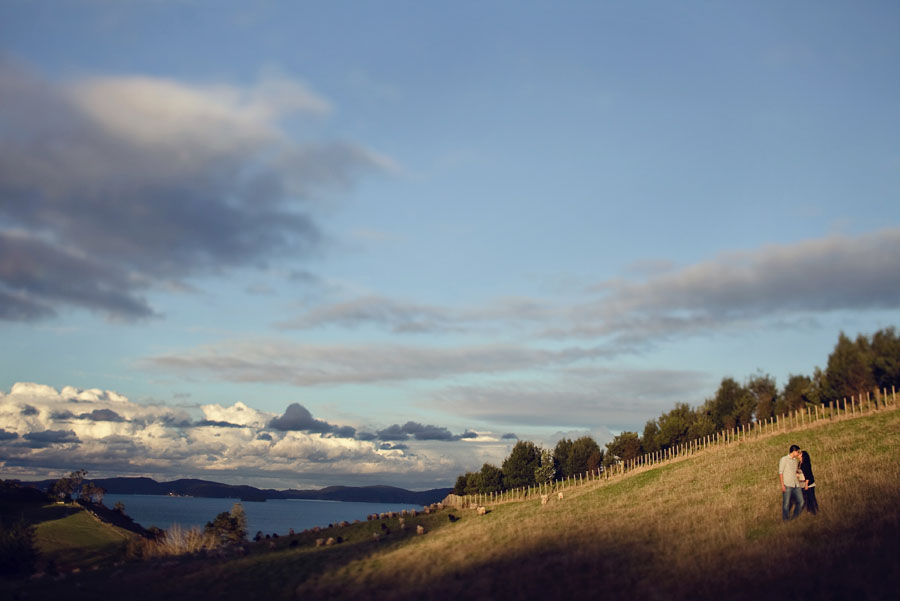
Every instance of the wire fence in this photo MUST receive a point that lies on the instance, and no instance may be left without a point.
(855, 406)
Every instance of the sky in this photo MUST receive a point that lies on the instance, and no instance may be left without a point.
(294, 245)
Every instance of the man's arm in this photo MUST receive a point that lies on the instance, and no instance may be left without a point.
(781, 477)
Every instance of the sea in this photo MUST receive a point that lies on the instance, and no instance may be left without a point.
(274, 516)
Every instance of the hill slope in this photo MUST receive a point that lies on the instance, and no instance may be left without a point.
(67, 536)
(705, 527)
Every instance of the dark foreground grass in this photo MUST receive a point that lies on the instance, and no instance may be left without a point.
(704, 528)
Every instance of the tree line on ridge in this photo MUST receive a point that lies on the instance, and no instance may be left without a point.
(865, 365)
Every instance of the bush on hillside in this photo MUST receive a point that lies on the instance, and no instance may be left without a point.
(229, 526)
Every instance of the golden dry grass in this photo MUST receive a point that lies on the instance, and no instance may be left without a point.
(702, 527)
(176, 541)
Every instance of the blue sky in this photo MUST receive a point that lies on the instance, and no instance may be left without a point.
(300, 244)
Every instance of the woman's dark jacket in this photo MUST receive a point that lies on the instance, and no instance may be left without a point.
(806, 468)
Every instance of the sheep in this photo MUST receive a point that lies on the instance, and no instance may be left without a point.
(420, 529)
(320, 542)
(482, 510)
(545, 499)
(560, 496)
(452, 517)
(330, 541)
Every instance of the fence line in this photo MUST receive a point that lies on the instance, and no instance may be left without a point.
(855, 406)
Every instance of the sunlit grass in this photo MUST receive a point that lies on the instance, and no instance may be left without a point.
(78, 540)
(690, 526)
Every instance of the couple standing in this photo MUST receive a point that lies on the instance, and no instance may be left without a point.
(798, 485)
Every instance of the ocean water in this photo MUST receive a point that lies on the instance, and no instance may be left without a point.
(273, 516)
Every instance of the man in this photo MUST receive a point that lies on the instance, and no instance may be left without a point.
(790, 486)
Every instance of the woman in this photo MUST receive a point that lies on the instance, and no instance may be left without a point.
(809, 484)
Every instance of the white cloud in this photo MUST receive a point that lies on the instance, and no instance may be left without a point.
(197, 122)
(44, 432)
(239, 414)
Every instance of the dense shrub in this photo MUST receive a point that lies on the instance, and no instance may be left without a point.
(229, 526)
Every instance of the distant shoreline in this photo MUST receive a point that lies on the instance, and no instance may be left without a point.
(218, 490)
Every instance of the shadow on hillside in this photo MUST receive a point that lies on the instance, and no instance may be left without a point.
(865, 565)
(858, 561)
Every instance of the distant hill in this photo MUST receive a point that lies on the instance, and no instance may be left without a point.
(217, 490)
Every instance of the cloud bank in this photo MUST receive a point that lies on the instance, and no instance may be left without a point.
(273, 360)
(776, 284)
(835, 273)
(44, 431)
(113, 185)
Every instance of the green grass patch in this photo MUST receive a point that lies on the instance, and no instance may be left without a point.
(79, 540)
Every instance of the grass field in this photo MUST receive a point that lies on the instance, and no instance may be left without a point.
(705, 527)
(68, 537)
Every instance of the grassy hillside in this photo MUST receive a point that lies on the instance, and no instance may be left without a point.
(67, 536)
(704, 527)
